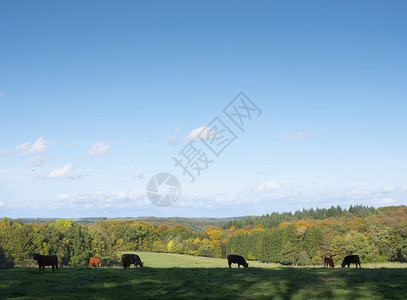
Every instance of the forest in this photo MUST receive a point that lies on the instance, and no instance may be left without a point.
(302, 238)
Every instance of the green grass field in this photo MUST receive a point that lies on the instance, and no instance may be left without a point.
(166, 260)
(178, 276)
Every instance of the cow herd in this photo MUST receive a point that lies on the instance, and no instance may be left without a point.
(134, 259)
(351, 259)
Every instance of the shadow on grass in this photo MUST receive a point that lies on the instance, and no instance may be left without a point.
(281, 283)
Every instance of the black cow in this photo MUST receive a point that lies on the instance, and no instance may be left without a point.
(128, 259)
(237, 259)
(46, 260)
(351, 259)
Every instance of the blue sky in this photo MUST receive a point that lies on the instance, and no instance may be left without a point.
(96, 97)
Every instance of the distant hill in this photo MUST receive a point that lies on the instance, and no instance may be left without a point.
(195, 224)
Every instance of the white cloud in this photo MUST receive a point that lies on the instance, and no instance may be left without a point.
(246, 201)
(100, 148)
(1, 93)
(3, 152)
(121, 199)
(358, 193)
(58, 173)
(226, 198)
(385, 201)
(36, 161)
(201, 133)
(295, 135)
(389, 188)
(2, 203)
(270, 185)
(39, 146)
(172, 138)
(273, 196)
(139, 175)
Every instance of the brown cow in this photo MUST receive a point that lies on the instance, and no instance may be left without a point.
(95, 261)
(46, 260)
(328, 262)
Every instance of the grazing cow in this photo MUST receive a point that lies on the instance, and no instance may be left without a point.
(128, 259)
(46, 260)
(95, 261)
(351, 259)
(328, 262)
(237, 259)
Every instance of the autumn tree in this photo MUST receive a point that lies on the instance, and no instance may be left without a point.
(170, 246)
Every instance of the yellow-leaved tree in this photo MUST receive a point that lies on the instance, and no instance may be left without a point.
(170, 246)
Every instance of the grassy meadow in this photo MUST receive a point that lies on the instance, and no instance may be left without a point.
(179, 276)
(167, 260)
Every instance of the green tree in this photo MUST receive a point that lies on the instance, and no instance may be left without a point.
(383, 242)
(289, 254)
(17, 242)
(313, 241)
(303, 258)
(338, 249)
(402, 242)
(317, 259)
(265, 241)
(80, 245)
(98, 243)
(358, 245)
(5, 262)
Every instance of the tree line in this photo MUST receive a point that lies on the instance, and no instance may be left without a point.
(195, 224)
(376, 235)
(275, 218)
